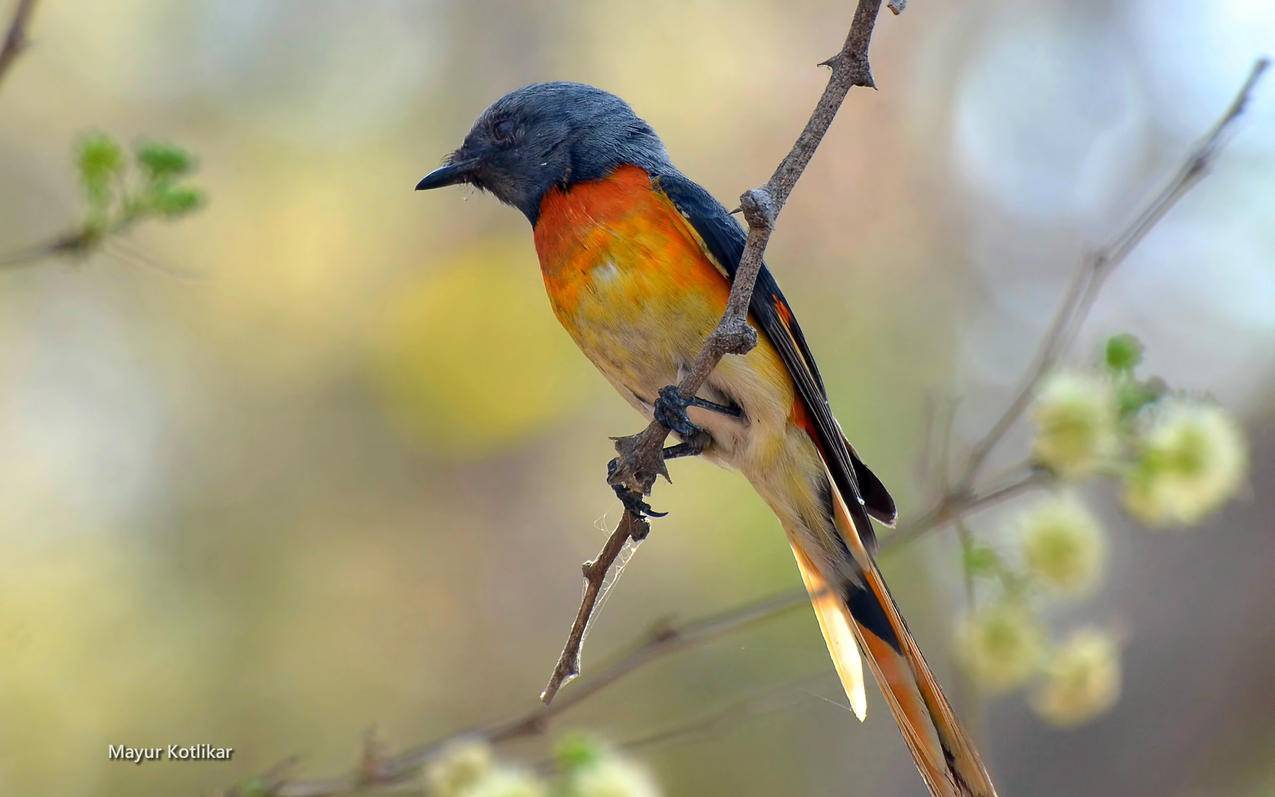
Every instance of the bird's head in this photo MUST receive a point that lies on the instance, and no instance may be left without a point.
(546, 135)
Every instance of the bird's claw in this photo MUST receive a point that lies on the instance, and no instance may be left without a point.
(670, 410)
(634, 503)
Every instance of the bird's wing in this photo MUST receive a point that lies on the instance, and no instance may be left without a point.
(723, 241)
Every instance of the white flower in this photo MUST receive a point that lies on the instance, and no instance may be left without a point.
(1082, 681)
(1191, 459)
(1000, 645)
(458, 768)
(1063, 545)
(506, 782)
(611, 776)
(1076, 417)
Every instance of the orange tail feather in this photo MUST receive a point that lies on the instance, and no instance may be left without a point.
(944, 753)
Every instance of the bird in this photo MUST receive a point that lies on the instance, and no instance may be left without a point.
(637, 261)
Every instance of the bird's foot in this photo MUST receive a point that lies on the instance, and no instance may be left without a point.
(670, 410)
(634, 502)
(693, 447)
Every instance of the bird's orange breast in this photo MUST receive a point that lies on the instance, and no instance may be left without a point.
(627, 276)
(619, 234)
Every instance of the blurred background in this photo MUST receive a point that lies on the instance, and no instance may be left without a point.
(343, 473)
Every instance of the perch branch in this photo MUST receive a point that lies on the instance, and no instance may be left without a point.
(641, 456)
(15, 39)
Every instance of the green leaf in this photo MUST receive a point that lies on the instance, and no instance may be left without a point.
(575, 751)
(99, 158)
(1132, 395)
(171, 201)
(163, 161)
(100, 161)
(982, 561)
(1123, 353)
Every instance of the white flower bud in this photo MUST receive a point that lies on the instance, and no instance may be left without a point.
(1076, 417)
(1000, 646)
(1063, 545)
(506, 782)
(458, 768)
(612, 776)
(1191, 458)
(1082, 681)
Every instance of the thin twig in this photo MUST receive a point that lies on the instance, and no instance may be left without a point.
(1093, 272)
(15, 39)
(954, 505)
(70, 244)
(641, 456)
(595, 573)
(771, 699)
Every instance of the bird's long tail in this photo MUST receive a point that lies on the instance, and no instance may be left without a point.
(862, 616)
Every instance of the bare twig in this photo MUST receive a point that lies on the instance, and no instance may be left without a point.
(595, 573)
(665, 639)
(772, 699)
(1089, 279)
(641, 456)
(15, 39)
(70, 244)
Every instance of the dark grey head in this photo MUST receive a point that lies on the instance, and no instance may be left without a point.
(546, 135)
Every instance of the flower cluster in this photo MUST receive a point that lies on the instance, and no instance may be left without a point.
(1082, 681)
(1004, 644)
(1177, 459)
(584, 769)
(1191, 458)
(1077, 417)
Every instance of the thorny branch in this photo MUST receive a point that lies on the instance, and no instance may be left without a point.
(641, 457)
(376, 769)
(15, 39)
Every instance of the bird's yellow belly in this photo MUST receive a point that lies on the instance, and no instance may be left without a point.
(642, 335)
(639, 336)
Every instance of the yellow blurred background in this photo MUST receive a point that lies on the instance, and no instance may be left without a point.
(344, 472)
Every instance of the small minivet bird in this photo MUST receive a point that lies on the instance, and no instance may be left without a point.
(637, 260)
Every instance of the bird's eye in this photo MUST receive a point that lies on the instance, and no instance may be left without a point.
(502, 129)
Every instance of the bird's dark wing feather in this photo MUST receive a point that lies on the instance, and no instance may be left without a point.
(724, 239)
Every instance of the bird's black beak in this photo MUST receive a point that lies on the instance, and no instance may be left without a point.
(451, 174)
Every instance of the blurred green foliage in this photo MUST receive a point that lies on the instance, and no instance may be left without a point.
(119, 194)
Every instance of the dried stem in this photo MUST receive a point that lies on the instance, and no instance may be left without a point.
(378, 770)
(595, 573)
(15, 39)
(641, 456)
